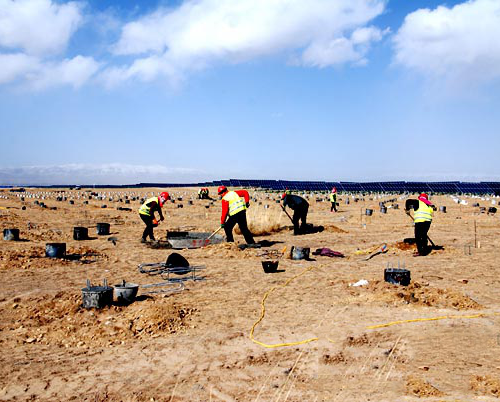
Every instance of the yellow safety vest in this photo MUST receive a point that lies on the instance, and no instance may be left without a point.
(333, 197)
(144, 209)
(236, 203)
(423, 213)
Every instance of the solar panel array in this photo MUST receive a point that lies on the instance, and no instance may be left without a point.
(396, 187)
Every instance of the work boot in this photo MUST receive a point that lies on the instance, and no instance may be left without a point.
(143, 240)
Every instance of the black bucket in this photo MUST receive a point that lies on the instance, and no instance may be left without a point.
(397, 276)
(492, 210)
(97, 296)
(369, 212)
(175, 260)
(55, 250)
(11, 234)
(80, 233)
(103, 229)
(442, 208)
(383, 210)
(270, 266)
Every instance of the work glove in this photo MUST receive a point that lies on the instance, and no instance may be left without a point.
(248, 205)
(222, 225)
(162, 218)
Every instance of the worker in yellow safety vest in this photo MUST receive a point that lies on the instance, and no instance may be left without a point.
(146, 212)
(422, 217)
(234, 205)
(333, 199)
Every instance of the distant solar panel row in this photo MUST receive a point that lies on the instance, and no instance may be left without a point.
(451, 187)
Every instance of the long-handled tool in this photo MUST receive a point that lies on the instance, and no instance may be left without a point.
(214, 233)
(287, 214)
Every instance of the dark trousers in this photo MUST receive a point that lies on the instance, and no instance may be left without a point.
(421, 230)
(300, 214)
(241, 219)
(334, 206)
(148, 220)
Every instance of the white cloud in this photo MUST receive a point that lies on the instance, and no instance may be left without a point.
(37, 27)
(112, 173)
(200, 33)
(39, 74)
(459, 43)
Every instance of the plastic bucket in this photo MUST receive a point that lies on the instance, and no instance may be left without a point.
(270, 266)
(55, 250)
(80, 233)
(442, 208)
(11, 234)
(300, 253)
(369, 212)
(125, 293)
(103, 228)
(383, 210)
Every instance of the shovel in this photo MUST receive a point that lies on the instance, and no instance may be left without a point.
(214, 233)
(287, 214)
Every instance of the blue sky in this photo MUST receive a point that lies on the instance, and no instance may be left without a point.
(117, 92)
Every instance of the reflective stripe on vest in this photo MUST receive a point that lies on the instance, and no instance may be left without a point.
(423, 213)
(333, 197)
(144, 209)
(236, 203)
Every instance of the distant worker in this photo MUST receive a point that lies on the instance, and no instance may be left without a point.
(146, 212)
(422, 216)
(333, 199)
(300, 207)
(203, 194)
(235, 204)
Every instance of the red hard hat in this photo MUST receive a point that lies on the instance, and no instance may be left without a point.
(221, 190)
(423, 195)
(164, 197)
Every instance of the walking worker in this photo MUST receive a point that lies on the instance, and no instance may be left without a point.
(147, 214)
(333, 199)
(300, 207)
(422, 216)
(235, 204)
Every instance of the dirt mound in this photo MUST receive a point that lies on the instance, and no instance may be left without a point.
(334, 229)
(421, 388)
(485, 385)
(417, 294)
(401, 245)
(60, 320)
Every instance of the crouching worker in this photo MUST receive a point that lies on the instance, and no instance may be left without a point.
(146, 212)
(234, 204)
(422, 217)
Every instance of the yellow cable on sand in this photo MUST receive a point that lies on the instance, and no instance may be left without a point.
(444, 317)
(263, 313)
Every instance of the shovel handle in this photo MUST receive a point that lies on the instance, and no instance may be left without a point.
(214, 233)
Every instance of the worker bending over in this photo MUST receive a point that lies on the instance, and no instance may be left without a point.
(146, 212)
(234, 204)
(422, 216)
(300, 207)
(333, 199)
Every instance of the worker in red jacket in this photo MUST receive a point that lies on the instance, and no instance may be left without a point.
(234, 204)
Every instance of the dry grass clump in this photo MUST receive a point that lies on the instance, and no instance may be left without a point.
(264, 221)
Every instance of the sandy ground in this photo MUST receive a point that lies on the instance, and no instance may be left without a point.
(195, 345)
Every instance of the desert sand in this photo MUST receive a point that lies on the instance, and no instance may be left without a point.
(195, 345)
